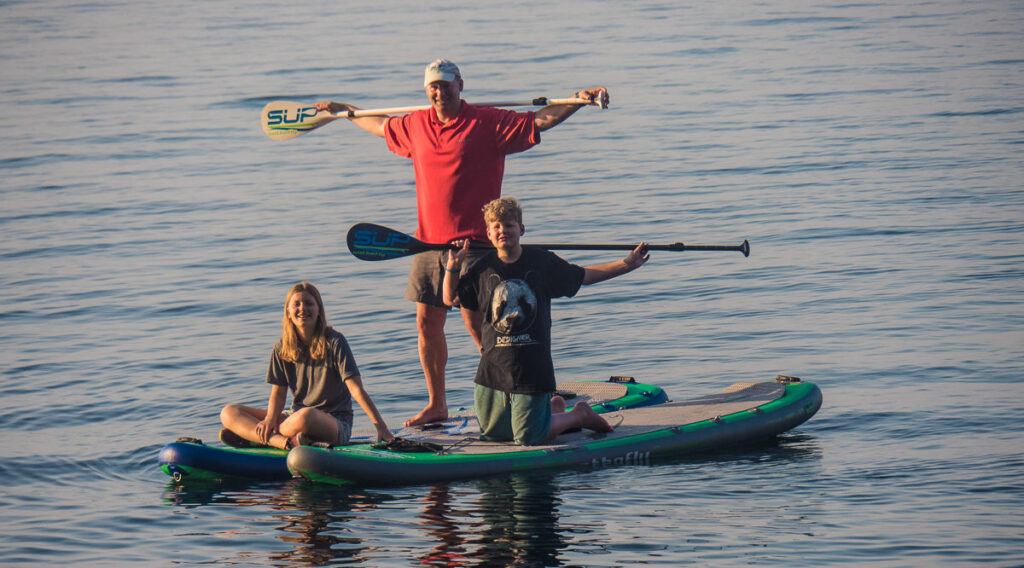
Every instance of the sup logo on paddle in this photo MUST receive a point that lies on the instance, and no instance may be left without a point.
(382, 244)
(279, 117)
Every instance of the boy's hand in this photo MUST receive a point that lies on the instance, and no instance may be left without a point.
(637, 257)
(458, 256)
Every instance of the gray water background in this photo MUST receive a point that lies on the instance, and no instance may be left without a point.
(870, 152)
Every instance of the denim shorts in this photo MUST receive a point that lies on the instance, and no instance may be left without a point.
(344, 431)
(344, 428)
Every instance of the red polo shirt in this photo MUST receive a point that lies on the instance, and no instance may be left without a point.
(459, 164)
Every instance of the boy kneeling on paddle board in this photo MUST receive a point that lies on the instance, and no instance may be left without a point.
(513, 287)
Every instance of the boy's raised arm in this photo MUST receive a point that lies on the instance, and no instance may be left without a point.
(601, 272)
(451, 272)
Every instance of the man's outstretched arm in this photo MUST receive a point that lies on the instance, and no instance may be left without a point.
(553, 115)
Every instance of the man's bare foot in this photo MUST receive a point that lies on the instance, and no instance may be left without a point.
(428, 415)
(590, 419)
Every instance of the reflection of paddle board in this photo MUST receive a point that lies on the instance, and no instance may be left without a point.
(191, 458)
(742, 413)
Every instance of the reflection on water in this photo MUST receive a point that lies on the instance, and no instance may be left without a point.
(521, 514)
(501, 521)
(315, 524)
(310, 518)
(437, 520)
(519, 527)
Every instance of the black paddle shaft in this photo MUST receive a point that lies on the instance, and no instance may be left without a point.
(374, 242)
(675, 247)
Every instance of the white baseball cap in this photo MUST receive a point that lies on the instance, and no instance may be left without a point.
(441, 70)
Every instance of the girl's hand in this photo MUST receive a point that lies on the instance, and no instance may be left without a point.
(266, 429)
(383, 434)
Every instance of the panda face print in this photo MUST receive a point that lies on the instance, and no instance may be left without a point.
(513, 307)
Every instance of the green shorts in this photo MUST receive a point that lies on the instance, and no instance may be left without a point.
(521, 418)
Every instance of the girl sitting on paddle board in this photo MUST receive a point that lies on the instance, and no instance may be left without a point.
(315, 363)
(512, 287)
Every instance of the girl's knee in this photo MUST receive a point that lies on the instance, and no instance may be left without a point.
(229, 413)
(299, 420)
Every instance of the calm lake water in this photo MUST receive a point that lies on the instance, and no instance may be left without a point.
(870, 152)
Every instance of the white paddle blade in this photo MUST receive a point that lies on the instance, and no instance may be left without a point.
(284, 120)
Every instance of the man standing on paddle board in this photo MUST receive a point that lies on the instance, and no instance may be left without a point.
(458, 152)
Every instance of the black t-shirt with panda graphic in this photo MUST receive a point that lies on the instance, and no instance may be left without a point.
(515, 300)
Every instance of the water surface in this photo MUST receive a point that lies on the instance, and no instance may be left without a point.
(870, 152)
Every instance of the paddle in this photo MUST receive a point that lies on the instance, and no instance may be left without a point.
(284, 120)
(367, 241)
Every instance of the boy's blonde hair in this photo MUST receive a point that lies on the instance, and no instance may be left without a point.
(503, 209)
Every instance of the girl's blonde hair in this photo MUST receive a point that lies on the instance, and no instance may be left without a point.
(292, 346)
(503, 209)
